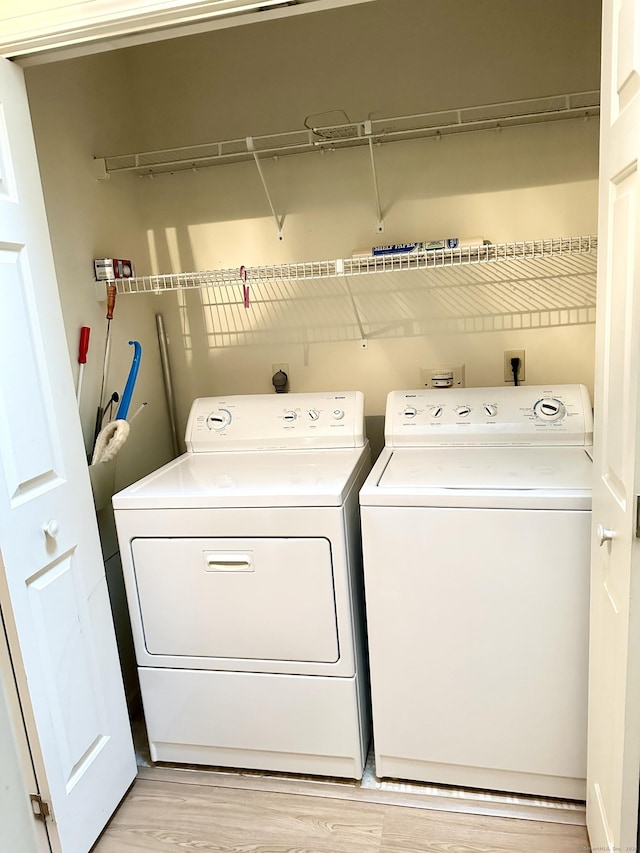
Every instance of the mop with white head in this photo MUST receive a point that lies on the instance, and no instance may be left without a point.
(110, 440)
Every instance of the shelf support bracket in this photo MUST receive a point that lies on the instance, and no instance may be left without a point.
(278, 220)
(368, 133)
(100, 169)
(345, 279)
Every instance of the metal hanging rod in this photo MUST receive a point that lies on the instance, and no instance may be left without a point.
(584, 105)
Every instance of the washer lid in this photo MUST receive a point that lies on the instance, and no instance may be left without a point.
(489, 468)
(554, 477)
(251, 479)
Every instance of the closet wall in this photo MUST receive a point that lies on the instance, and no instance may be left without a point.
(387, 58)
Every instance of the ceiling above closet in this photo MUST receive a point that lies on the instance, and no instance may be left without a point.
(40, 33)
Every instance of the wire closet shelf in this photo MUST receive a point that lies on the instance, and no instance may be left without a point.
(320, 136)
(492, 287)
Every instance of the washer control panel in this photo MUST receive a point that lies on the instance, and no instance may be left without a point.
(276, 422)
(520, 415)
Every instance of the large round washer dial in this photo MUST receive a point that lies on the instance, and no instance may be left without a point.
(549, 409)
(219, 419)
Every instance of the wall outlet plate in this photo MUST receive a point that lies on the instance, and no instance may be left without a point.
(445, 376)
(508, 372)
(285, 369)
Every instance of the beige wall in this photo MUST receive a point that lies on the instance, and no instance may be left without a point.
(335, 214)
(387, 58)
(77, 108)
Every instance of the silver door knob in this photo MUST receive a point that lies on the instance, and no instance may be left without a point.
(605, 535)
(51, 528)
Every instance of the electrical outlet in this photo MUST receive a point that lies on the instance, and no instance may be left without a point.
(508, 371)
(445, 376)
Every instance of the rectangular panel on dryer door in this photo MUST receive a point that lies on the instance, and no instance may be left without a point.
(244, 598)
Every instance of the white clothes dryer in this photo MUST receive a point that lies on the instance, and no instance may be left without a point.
(242, 565)
(476, 541)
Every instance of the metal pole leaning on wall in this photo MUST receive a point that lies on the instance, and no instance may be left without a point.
(168, 384)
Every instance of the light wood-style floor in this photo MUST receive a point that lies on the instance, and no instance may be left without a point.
(189, 813)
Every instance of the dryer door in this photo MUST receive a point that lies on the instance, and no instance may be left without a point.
(244, 598)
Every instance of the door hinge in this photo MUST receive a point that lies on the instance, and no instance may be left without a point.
(638, 516)
(41, 810)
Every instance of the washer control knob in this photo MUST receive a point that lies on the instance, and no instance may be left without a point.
(219, 419)
(410, 412)
(290, 416)
(436, 411)
(463, 411)
(338, 414)
(490, 410)
(549, 409)
(314, 414)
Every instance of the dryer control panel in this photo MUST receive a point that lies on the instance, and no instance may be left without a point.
(520, 415)
(276, 422)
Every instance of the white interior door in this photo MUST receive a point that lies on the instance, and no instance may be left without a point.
(19, 832)
(614, 694)
(52, 590)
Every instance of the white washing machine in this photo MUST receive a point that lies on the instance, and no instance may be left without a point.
(476, 534)
(242, 565)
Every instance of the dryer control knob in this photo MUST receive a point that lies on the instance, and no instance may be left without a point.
(289, 416)
(314, 414)
(436, 411)
(410, 412)
(338, 414)
(219, 419)
(463, 411)
(490, 410)
(549, 409)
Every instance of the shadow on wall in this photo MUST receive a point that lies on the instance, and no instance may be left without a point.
(413, 176)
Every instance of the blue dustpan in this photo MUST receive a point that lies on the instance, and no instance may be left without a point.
(125, 401)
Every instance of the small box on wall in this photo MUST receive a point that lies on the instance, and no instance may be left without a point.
(108, 269)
